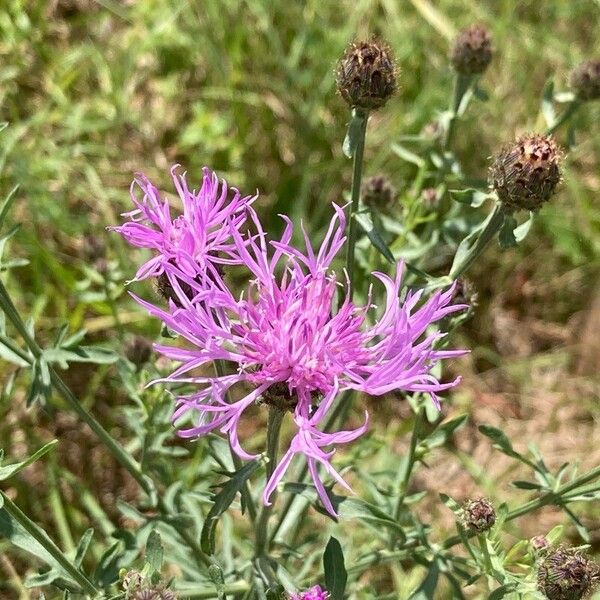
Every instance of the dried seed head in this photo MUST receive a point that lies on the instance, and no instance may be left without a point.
(378, 192)
(526, 174)
(366, 75)
(539, 544)
(566, 574)
(478, 515)
(472, 51)
(585, 80)
(138, 350)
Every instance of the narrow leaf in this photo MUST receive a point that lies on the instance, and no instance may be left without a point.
(10, 470)
(154, 551)
(335, 569)
(374, 236)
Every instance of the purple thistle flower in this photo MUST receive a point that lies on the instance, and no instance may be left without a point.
(193, 243)
(315, 593)
(290, 332)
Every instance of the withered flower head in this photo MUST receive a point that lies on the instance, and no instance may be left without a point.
(472, 50)
(478, 515)
(566, 574)
(526, 175)
(378, 192)
(585, 80)
(366, 75)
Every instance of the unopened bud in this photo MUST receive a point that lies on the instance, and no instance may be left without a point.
(472, 51)
(526, 175)
(378, 192)
(478, 515)
(585, 80)
(430, 199)
(366, 75)
(566, 574)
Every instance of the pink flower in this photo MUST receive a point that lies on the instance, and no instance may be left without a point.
(296, 334)
(190, 245)
(315, 593)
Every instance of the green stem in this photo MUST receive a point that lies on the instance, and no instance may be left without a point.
(485, 233)
(360, 119)
(461, 85)
(113, 307)
(406, 470)
(41, 538)
(237, 587)
(120, 454)
(565, 116)
(237, 461)
(273, 429)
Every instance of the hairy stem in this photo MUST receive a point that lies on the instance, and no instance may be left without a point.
(461, 85)
(41, 538)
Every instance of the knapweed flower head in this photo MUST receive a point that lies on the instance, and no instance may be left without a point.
(366, 75)
(315, 593)
(472, 51)
(526, 174)
(566, 574)
(193, 243)
(294, 335)
(478, 515)
(378, 192)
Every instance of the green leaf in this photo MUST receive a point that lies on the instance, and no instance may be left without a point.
(10, 470)
(84, 354)
(407, 155)
(426, 591)
(502, 591)
(154, 551)
(523, 229)
(7, 204)
(82, 547)
(364, 220)
(451, 504)
(527, 485)
(335, 570)
(471, 196)
(548, 103)
(444, 432)
(222, 502)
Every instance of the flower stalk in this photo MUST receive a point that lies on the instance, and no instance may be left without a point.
(274, 423)
(567, 114)
(357, 131)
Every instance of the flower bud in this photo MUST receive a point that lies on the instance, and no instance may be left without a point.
(366, 75)
(378, 192)
(585, 80)
(565, 574)
(138, 350)
(472, 51)
(478, 515)
(315, 593)
(526, 174)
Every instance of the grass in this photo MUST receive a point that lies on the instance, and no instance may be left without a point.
(94, 91)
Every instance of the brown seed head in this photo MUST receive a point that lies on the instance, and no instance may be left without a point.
(478, 515)
(526, 174)
(472, 50)
(565, 574)
(585, 80)
(378, 192)
(366, 75)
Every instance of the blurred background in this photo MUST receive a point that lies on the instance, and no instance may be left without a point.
(96, 90)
